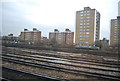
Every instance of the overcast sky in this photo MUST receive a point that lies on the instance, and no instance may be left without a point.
(46, 15)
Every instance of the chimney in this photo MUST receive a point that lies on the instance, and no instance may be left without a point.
(25, 29)
(87, 8)
(56, 30)
(34, 29)
(67, 30)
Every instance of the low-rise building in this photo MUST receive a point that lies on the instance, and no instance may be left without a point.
(10, 39)
(30, 36)
(66, 37)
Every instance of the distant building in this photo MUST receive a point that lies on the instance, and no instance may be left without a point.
(118, 18)
(44, 40)
(87, 26)
(119, 8)
(66, 37)
(115, 33)
(115, 30)
(30, 36)
(10, 35)
(104, 43)
(10, 39)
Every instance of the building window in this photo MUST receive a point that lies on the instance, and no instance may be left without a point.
(88, 11)
(116, 27)
(81, 23)
(87, 17)
(81, 35)
(87, 36)
(81, 38)
(115, 36)
(87, 23)
(81, 41)
(81, 27)
(81, 15)
(87, 32)
(87, 20)
(81, 12)
(81, 30)
(88, 14)
(87, 26)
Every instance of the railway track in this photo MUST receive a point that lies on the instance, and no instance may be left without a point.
(28, 76)
(29, 52)
(61, 63)
(56, 62)
(4, 79)
(66, 59)
(111, 77)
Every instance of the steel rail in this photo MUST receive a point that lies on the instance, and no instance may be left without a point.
(111, 77)
(36, 74)
(74, 61)
(45, 54)
(64, 64)
(4, 79)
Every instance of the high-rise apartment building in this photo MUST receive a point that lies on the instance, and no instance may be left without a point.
(119, 8)
(87, 26)
(31, 36)
(66, 37)
(118, 18)
(114, 32)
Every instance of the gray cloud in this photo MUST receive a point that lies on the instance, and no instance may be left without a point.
(14, 15)
(13, 20)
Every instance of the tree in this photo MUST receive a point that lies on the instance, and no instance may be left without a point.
(53, 42)
(98, 44)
